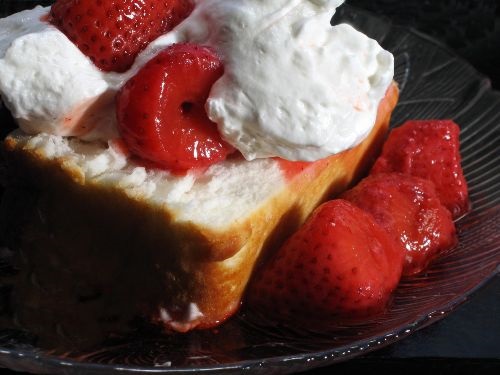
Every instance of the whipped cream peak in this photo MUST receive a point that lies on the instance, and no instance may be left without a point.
(293, 87)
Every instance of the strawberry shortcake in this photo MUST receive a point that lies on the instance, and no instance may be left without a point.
(197, 135)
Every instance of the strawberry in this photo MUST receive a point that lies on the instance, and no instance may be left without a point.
(411, 212)
(112, 32)
(428, 149)
(339, 263)
(161, 114)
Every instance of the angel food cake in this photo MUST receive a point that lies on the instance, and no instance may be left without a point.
(197, 133)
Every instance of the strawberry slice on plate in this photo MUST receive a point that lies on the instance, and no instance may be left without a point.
(339, 263)
(428, 149)
(161, 110)
(112, 32)
(411, 212)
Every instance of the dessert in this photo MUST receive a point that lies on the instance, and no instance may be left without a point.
(212, 228)
(304, 104)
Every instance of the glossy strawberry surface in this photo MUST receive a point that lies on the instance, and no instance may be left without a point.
(161, 110)
(339, 263)
(429, 149)
(411, 212)
(112, 32)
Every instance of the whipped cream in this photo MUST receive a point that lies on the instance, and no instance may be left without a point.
(46, 82)
(293, 87)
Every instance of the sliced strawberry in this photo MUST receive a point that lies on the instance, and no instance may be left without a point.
(161, 110)
(339, 263)
(428, 149)
(411, 212)
(112, 32)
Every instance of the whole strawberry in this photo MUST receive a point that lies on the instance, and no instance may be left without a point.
(411, 212)
(112, 32)
(161, 110)
(339, 263)
(428, 149)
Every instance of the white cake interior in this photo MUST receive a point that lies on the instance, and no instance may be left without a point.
(214, 199)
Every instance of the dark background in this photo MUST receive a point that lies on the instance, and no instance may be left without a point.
(470, 27)
(467, 341)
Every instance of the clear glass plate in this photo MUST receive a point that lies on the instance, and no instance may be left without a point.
(434, 83)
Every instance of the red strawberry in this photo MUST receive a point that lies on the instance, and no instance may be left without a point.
(411, 212)
(161, 113)
(112, 32)
(339, 263)
(428, 149)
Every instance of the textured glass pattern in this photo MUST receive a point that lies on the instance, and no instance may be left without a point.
(434, 84)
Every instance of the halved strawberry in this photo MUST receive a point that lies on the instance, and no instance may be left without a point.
(428, 149)
(112, 32)
(411, 212)
(339, 263)
(161, 110)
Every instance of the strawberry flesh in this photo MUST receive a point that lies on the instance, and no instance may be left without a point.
(339, 263)
(161, 110)
(428, 149)
(112, 32)
(411, 212)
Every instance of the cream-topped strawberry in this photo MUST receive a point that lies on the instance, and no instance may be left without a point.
(161, 110)
(112, 32)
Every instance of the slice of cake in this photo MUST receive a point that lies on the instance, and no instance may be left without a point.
(183, 247)
(166, 149)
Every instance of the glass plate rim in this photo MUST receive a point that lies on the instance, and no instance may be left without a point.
(316, 359)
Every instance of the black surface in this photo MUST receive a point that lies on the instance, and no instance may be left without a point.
(470, 27)
(468, 340)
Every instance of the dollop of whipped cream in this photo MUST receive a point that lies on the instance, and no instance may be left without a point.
(293, 86)
(48, 84)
